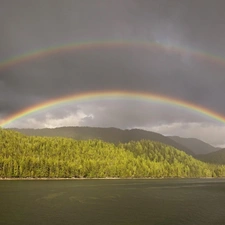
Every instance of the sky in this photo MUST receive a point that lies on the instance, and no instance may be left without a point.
(189, 26)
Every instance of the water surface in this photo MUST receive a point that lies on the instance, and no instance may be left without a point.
(133, 202)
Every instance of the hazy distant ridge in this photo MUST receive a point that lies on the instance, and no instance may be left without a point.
(112, 135)
(195, 145)
(217, 157)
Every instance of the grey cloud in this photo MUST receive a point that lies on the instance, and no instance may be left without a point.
(31, 25)
(114, 69)
(129, 113)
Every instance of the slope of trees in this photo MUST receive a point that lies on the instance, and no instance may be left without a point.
(29, 156)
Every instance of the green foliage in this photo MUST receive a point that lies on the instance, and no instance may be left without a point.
(54, 157)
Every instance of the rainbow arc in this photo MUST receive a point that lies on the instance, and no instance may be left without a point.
(93, 96)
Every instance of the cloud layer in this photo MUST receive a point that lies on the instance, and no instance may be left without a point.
(29, 26)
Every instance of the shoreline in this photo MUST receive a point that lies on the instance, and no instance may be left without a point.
(108, 178)
(48, 178)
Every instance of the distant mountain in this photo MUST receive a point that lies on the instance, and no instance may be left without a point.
(195, 145)
(113, 135)
(217, 157)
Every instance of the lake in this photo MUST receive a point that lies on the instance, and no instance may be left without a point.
(120, 202)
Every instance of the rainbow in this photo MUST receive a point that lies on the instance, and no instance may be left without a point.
(108, 44)
(101, 95)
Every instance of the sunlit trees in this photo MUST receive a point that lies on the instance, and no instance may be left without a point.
(23, 156)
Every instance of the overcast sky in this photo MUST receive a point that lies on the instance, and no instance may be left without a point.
(197, 25)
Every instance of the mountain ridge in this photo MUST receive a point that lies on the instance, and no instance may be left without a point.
(217, 157)
(110, 134)
(196, 145)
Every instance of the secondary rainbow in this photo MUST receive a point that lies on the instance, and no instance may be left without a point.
(92, 96)
(41, 53)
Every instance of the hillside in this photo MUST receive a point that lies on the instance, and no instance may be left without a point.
(217, 157)
(54, 157)
(195, 145)
(112, 135)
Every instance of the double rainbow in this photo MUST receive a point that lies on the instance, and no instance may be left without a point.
(108, 94)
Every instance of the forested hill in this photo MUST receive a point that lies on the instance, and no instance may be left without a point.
(112, 135)
(54, 157)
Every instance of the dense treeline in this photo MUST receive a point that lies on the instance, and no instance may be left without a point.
(23, 156)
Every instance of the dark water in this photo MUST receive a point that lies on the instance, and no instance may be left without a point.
(170, 202)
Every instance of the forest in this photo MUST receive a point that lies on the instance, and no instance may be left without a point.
(24, 156)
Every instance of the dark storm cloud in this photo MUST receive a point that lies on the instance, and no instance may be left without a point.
(99, 69)
(31, 25)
